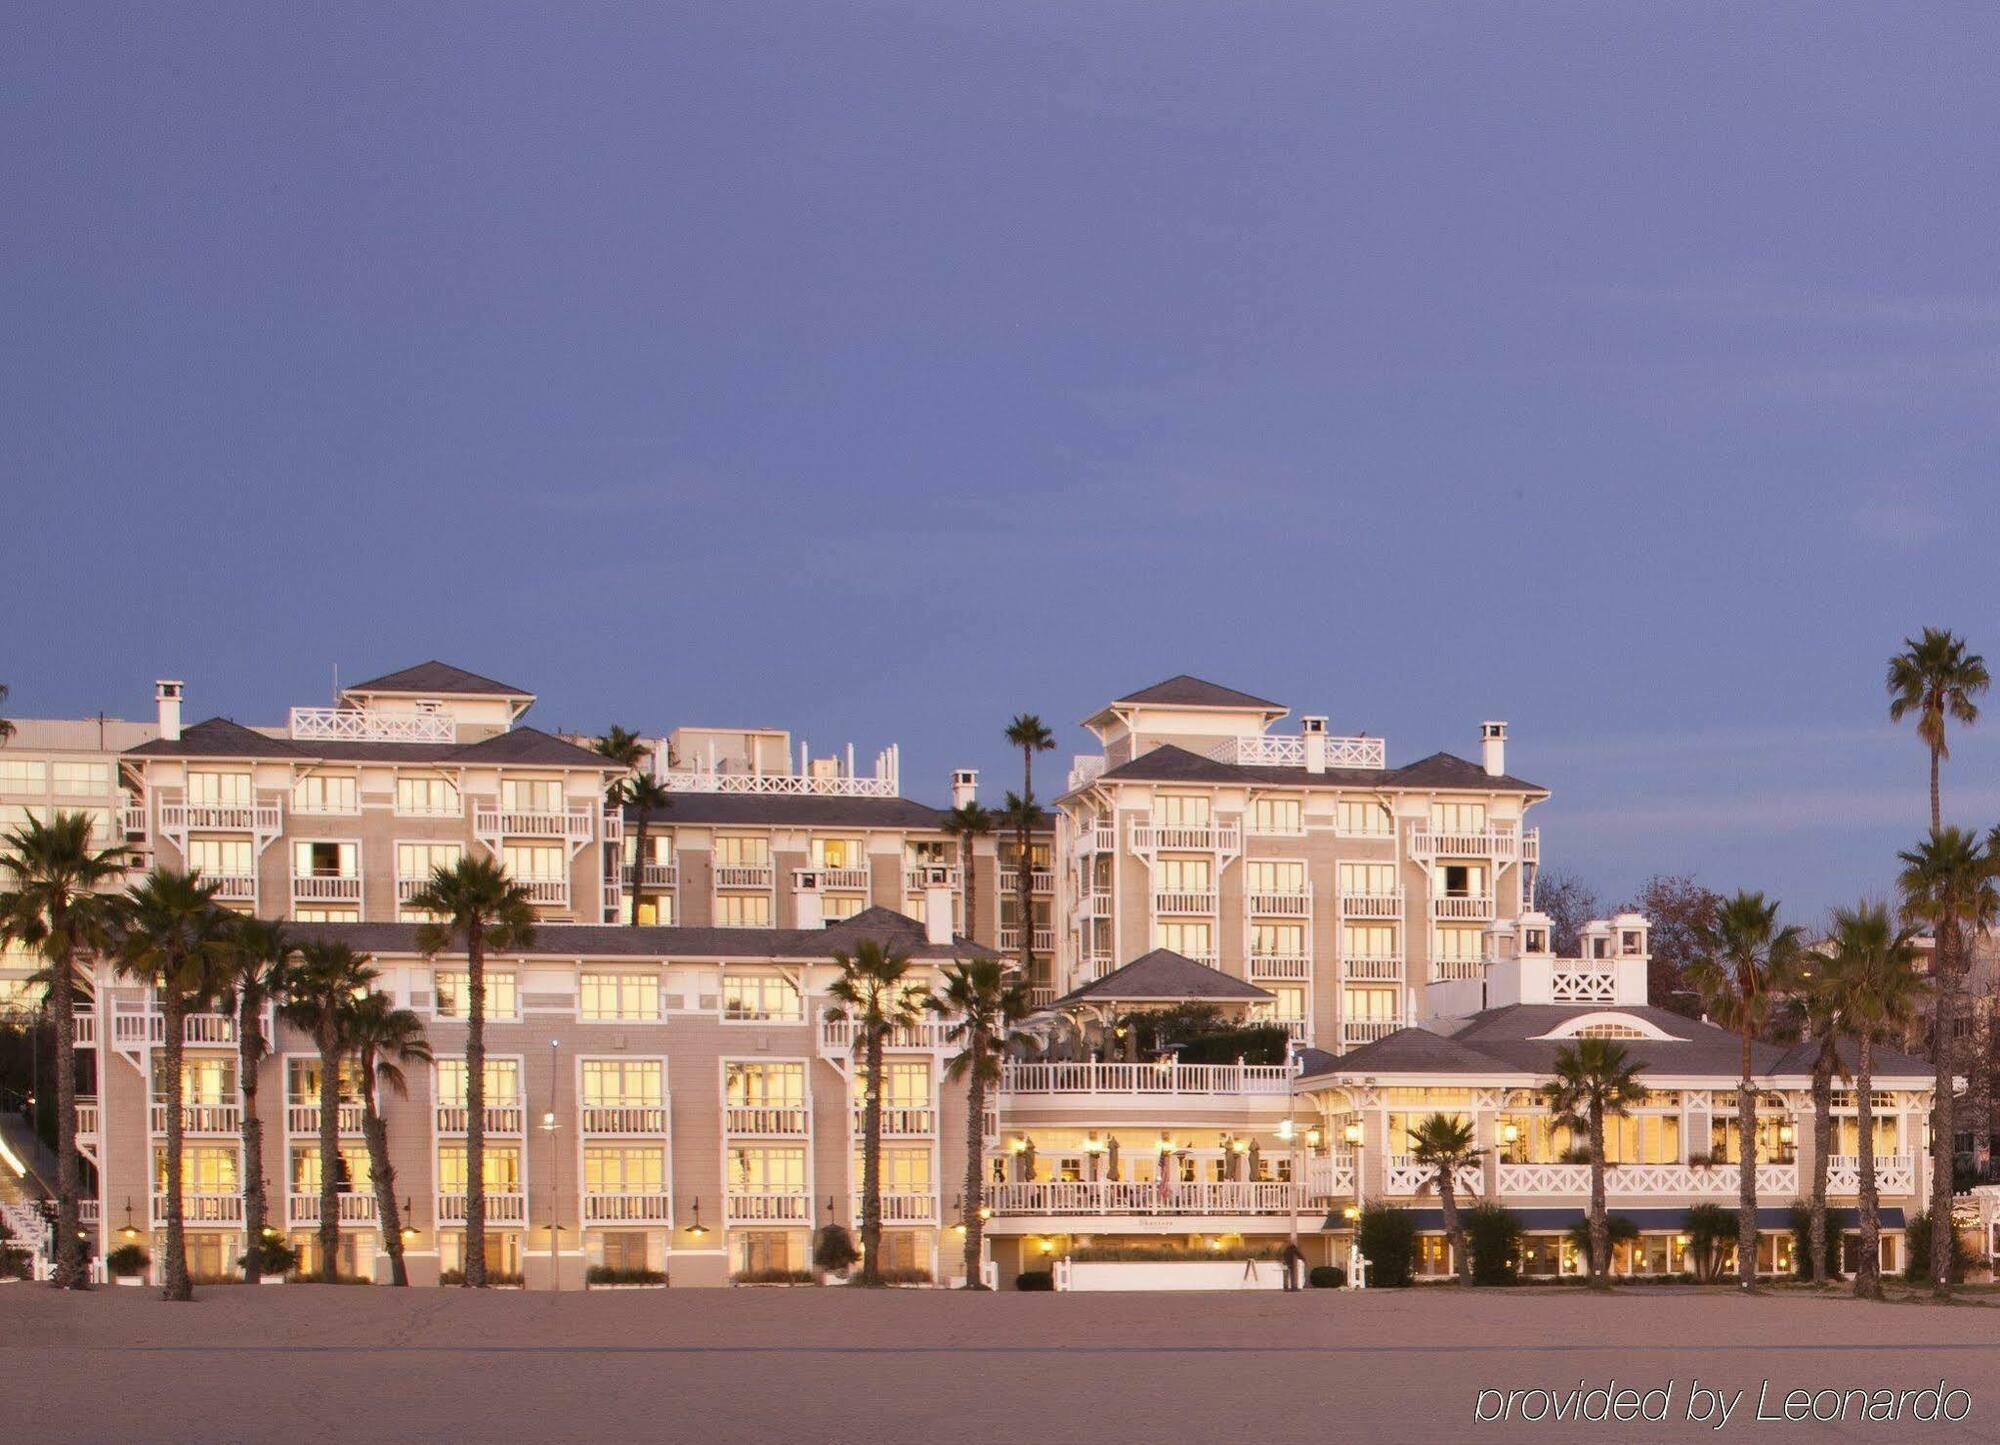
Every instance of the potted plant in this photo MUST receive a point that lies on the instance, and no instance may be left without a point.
(128, 1264)
(834, 1252)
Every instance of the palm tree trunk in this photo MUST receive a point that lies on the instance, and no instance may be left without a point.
(1454, 1229)
(1600, 1226)
(971, 886)
(871, 1163)
(475, 1107)
(1024, 907)
(70, 1272)
(1936, 813)
(638, 863)
(975, 1175)
(1822, 1096)
(1868, 1269)
(249, 1051)
(329, 1149)
(1942, 1122)
(178, 1285)
(1746, 1173)
(383, 1175)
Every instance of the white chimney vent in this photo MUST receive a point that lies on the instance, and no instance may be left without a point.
(1313, 730)
(964, 786)
(167, 693)
(1493, 748)
(937, 907)
(809, 912)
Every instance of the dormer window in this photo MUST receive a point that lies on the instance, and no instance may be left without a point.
(1607, 1031)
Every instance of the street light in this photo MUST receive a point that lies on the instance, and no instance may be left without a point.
(555, 1158)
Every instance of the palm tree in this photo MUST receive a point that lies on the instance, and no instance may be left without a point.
(1745, 964)
(476, 905)
(173, 936)
(1812, 1013)
(966, 822)
(1936, 678)
(255, 969)
(984, 1005)
(384, 1038)
(54, 903)
(1027, 733)
(645, 795)
(321, 997)
(874, 991)
(1947, 883)
(1443, 1144)
(1876, 985)
(1595, 1079)
(625, 748)
(6, 727)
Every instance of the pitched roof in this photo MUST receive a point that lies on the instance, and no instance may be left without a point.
(438, 679)
(788, 810)
(522, 747)
(1164, 976)
(531, 746)
(218, 737)
(1168, 763)
(1184, 690)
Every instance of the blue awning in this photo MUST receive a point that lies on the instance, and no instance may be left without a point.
(1649, 1221)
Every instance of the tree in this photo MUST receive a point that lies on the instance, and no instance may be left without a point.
(384, 1038)
(255, 969)
(1812, 1012)
(54, 904)
(1947, 883)
(1746, 962)
(625, 748)
(1027, 733)
(1570, 903)
(475, 905)
(966, 822)
(1875, 986)
(873, 991)
(644, 795)
(1595, 1079)
(320, 1000)
(1937, 679)
(6, 727)
(1443, 1144)
(984, 1006)
(172, 936)
(1708, 1227)
(1681, 911)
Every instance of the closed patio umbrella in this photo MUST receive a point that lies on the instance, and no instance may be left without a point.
(1111, 1157)
(1256, 1161)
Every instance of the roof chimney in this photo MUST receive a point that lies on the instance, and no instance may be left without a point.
(1313, 729)
(167, 694)
(808, 909)
(937, 906)
(964, 786)
(1493, 748)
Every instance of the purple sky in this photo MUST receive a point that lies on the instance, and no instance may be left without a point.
(882, 370)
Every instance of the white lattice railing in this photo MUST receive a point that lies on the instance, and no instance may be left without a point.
(365, 725)
(1582, 981)
(1145, 1196)
(1279, 751)
(1330, 1176)
(1404, 1175)
(1165, 1077)
(778, 784)
(1894, 1174)
(1637, 1180)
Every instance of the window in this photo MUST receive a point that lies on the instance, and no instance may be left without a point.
(23, 775)
(622, 1083)
(502, 1001)
(302, 1080)
(1368, 940)
(205, 1169)
(835, 906)
(1463, 880)
(209, 1079)
(619, 996)
(81, 779)
(906, 1084)
(1181, 810)
(657, 910)
(1608, 1031)
(1039, 909)
(321, 913)
(764, 1084)
(1277, 940)
(221, 857)
(625, 1250)
(1379, 1004)
(904, 1170)
(1371, 879)
(416, 862)
(531, 795)
(764, 997)
(353, 1176)
(1264, 875)
(738, 851)
(1458, 817)
(218, 790)
(1008, 850)
(838, 853)
(326, 793)
(1195, 940)
(761, 1250)
(1281, 817)
(427, 798)
(503, 1082)
(1364, 818)
(624, 1169)
(1185, 875)
(1461, 945)
(1290, 1001)
(326, 860)
(501, 1166)
(767, 1169)
(930, 853)
(742, 910)
(535, 862)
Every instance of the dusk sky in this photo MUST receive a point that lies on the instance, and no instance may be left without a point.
(880, 371)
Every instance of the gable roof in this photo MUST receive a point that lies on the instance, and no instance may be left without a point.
(438, 679)
(1184, 690)
(218, 737)
(1164, 976)
(523, 747)
(1169, 763)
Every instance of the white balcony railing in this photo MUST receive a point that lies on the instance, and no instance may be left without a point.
(1289, 903)
(1179, 838)
(1457, 970)
(1145, 1196)
(1356, 1032)
(833, 880)
(760, 1208)
(201, 1118)
(643, 1208)
(498, 1118)
(790, 785)
(1163, 1077)
(302, 1210)
(1474, 908)
(87, 1124)
(574, 825)
(304, 1118)
(658, 875)
(1502, 845)
(137, 1028)
(366, 725)
(898, 1122)
(1280, 967)
(84, 1029)
(327, 887)
(502, 1207)
(1642, 1180)
(233, 887)
(1183, 900)
(1403, 1175)
(1275, 751)
(916, 880)
(903, 1208)
(550, 892)
(837, 1036)
(1894, 1173)
(624, 1118)
(201, 1207)
(1372, 970)
(767, 1120)
(222, 817)
(1096, 838)
(1009, 940)
(1372, 905)
(1583, 981)
(1330, 1176)
(744, 875)
(1093, 905)
(132, 820)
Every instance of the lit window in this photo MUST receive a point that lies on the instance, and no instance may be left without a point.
(607, 997)
(427, 798)
(766, 997)
(502, 1002)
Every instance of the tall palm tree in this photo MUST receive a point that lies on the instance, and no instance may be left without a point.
(966, 822)
(1443, 1144)
(1028, 733)
(1595, 1080)
(384, 1038)
(644, 795)
(1876, 985)
(1947, 882)
(1746, 963)
(476, 906)
(54, 902)
(255, 969)
(320, 1000)
(984, 1005)
(1811, 1012)
(6, 727)
(875, 992)
(173, 936)
(1937, 679)
(625, 748)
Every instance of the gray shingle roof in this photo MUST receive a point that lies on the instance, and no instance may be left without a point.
(1183, 690)
(774, 810)
(522, 746)
(1170, 764)
(218, 737)
(438, 679)
(1164, 976)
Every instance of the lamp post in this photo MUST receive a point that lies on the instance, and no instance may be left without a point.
(549, 1127)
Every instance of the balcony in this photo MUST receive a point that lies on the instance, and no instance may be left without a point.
(1041, 997)
(1162, 1077)
(1330, 1176)
(1894, 1173)
(1009, 940)
(744, 875)
(201, 1118)
(1780, 1181)
(546, 892)
(570, 825)
(1179, 838)
(788, 785)
(1052, 1197)
(304, 1118)
(498, 1118)
(502, 1207)
(837, 1036)
(903, 1208)
(180, 818)
(132, 820)
(642, 1208)
(84, 1029)
(1182, 900)
(233, 887)
(1405, 1176)
(1287, 903)
(898, 1123)
(1372, 970)
(830, 880)
(1372, 905)
(201, 1208)
(1356, 1032)
(1280, 967)
(302, 1210)
(1584, 980)
(1473, 908)
(657, 875)
(366, 725)
(1097, 838)
(768, 1121)
(624, 1118)
(931, 875)
(145, 1028)
(1457, 970)
(1273, 751)
(326, 887)
(408, 885)
(766, 1207)
(1093, 905)
(1502, 845)
(87, 1120)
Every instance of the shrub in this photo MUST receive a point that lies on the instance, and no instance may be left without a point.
(1578, 1155)
(912, 1275)
(1262, 1045)
(275, 1257)
(1710, 1230)
(1917, 1249)
(1388, 1239)
(1035, 1281)
(127, 1260)
(1698, 1161)
(606, 1274)
(1493, 1235)
(773, 1276)
(1617, 1229)
(457, 1276)
(1327, 1276)
(834, 1251)
(16, 1263)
